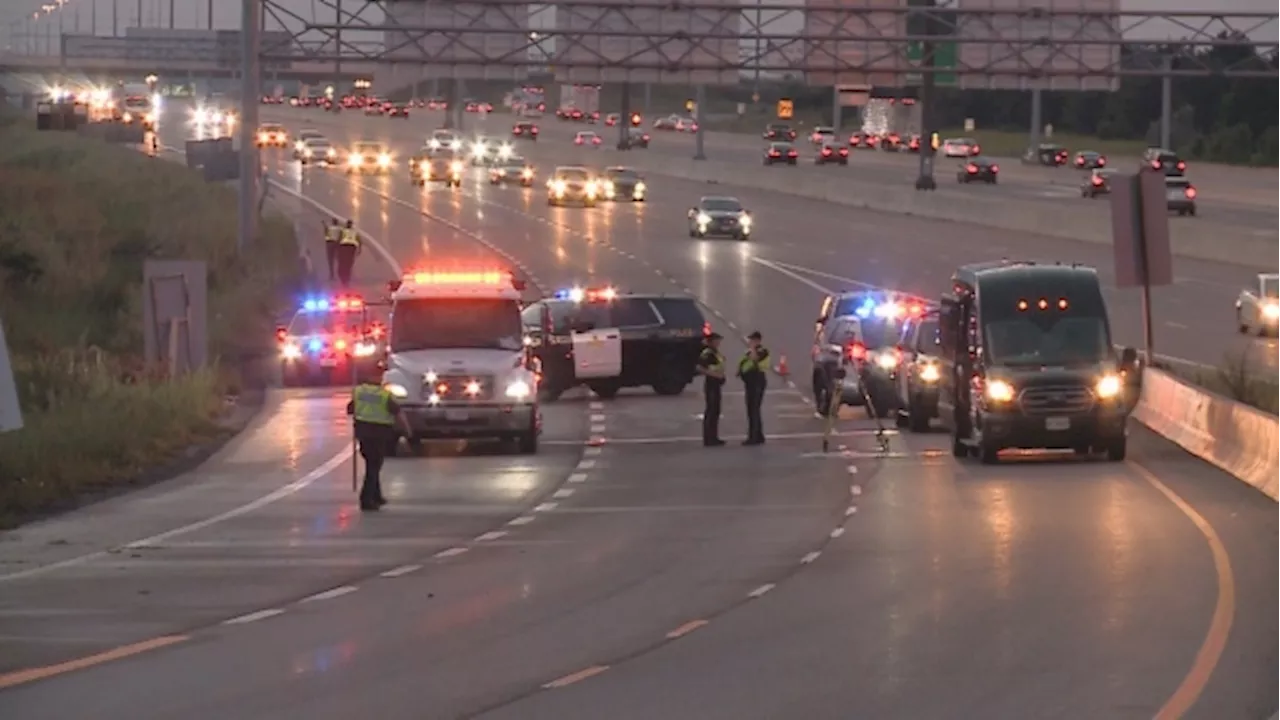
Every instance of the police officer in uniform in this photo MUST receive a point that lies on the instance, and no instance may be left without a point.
(375, 413)
(332, 234)
(711, 367)
(753, 368)
(348, 248)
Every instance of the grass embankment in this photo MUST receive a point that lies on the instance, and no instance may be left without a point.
(77, 220)
(1238, 378)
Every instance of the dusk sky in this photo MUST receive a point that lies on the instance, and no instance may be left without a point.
(193, 13)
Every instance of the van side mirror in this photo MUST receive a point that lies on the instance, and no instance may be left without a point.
(1129, 358)
(947, 314)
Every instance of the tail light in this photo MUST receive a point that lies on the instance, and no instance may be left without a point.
(1079, 161)
(1182, 165)
(977, 149)
(516, 131)
(1191, 193)
(577, 141)
(339, 344)
(534, 131)
(646, 137)
(1155, 164)
(858, 351)
(826, 151)
(706, 329)
(1097, 181)
(693, 127)
(377, 330)
(972, 169)
(792, 153)
(281, 334)
(995, 169)
(774, 153)
(844, 151)
(1102, 161)
(595, 141)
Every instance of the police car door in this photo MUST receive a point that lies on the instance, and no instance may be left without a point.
(597, 350)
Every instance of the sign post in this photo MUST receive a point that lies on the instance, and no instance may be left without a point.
(1140, 238)
(10, 412)
(786, 109)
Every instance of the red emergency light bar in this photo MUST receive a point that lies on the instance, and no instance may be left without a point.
(493, 278)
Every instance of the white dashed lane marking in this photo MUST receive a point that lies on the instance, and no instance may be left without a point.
(402, 570)
(254, 617)
(331, 594)
(451, 552)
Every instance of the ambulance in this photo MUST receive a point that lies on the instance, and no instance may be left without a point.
(456, 358)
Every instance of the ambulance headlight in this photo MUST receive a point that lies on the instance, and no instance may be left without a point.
(478, 150)
(456, 145)
(455, 167)
(397, 391)
(518, 390)
(364, 349)
(354, 159)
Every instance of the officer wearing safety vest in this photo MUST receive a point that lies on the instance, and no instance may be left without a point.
(348, 248)
(753, 368)
(711, 367)
(332, 234)
(375, 413)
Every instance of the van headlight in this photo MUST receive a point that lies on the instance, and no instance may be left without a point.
(1271, 311)
(999, 391)
(354, 159)
(477, 150)
(396, 390)
(291, 352)
(558, 187)
(518, 390)
(887, 361)
(1108, 387)
(365, 349)
(456, 145)
(434, 144)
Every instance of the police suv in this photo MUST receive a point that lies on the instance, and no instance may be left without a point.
(456, 361)
(608, 340)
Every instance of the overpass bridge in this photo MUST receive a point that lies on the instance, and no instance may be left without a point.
(173, 68)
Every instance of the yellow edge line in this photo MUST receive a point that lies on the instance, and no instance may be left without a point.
(1215, 641)
(22, 677)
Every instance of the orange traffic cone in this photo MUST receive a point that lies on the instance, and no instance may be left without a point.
(782, 368)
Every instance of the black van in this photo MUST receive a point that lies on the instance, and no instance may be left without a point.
(1027, 362)
(657, 338)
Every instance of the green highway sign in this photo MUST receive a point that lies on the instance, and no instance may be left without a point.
(944, 56)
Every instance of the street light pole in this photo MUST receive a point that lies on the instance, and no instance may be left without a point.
(249, 100)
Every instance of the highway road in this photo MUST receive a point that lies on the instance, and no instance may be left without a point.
(1233, 197)
(645, 577)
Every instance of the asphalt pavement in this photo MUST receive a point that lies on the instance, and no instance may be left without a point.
(643, 576)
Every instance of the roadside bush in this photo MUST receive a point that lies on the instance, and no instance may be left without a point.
(77, 220)
(1238, 378)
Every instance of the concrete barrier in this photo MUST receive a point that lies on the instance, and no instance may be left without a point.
(1233, 436)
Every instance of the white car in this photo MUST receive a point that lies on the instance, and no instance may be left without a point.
(300, 141)
(444, 140)
(456, 358)
(318, 151)
(1257, 308)
(960, 147)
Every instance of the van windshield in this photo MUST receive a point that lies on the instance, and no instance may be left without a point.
(448, 323)
(1047, 339)
(1270, 286)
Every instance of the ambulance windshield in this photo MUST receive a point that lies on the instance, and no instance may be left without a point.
(449, 323)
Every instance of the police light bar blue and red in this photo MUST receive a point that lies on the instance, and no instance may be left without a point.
(578, 294)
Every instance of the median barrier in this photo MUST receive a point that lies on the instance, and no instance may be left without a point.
(1240, 440)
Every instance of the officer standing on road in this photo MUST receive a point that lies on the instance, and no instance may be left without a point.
(753, 368)
(348, 248)
(711, 367)
(375, 413)
(332, 234)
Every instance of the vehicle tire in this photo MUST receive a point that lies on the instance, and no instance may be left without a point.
(693, 233)
(901, 420)
(1241, 325)
(958, 448)
(548, 394)
(995, 181)
(988, 454)
(917, 420)
(527, 442)
(1083, 450)
(605, 390)
(1192, 212)
(1117, 449)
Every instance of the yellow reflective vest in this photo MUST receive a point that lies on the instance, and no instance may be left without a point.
(370, 405)
(349, 237)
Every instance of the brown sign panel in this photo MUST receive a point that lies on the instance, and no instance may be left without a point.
(1140, 230)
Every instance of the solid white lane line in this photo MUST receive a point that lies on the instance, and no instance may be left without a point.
(254, 617)
(331, 594)
(760, 591)
(402, 570)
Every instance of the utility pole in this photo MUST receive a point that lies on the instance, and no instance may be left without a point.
(924, 179)
(249, 94)
(337, 60)
(172, 7)
(208, 6)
